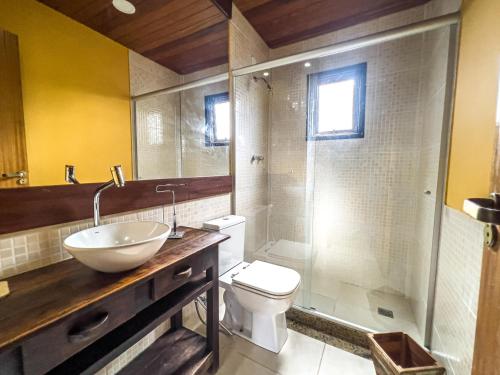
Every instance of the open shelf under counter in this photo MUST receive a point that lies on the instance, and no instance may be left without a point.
(178, 351)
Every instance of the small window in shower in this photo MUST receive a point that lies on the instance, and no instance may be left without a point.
(217, 119)
(336, 103)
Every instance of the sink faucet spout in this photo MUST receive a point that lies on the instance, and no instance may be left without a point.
(118, 180)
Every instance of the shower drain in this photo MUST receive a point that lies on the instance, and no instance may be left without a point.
(385, 312)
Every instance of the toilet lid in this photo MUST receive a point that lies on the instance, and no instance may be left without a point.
(268, 278)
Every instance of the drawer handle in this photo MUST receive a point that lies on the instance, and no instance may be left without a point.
(185, 274)
(88, 330)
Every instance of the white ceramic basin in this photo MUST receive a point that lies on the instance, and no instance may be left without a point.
(117, 247)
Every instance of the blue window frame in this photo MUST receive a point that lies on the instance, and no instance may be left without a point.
(336, 103)
(217, 129)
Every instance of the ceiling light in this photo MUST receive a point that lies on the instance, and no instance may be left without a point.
(307, 64)
(265, 74)
(124, 6)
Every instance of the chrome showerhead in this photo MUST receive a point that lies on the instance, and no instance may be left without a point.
(257, 79)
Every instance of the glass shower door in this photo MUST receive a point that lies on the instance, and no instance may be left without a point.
(357, 216)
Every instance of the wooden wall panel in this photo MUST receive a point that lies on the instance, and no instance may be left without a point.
(32, 207)
(158, 26)
(283, 22)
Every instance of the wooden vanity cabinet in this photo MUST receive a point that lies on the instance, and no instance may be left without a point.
(69, 319)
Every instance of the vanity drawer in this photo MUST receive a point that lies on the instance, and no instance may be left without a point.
(169, 280)
(57, 343)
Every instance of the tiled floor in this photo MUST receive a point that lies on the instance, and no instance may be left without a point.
(301, 355)
(358, 305)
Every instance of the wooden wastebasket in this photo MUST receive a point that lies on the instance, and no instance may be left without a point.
(397, 353)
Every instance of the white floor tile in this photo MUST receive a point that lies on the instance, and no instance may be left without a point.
(233, 363)
(301, 354)
(336, 361)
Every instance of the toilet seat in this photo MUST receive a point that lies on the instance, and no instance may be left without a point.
(267, 279)
(258, 292)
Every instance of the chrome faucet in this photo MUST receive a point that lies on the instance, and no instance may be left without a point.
(175, 234)
(118, 180)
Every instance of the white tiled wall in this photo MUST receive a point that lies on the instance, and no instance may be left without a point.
(198, 159)
(251, 100)
(158, 139)
(457, 291)
(246, 47)
(157, 119)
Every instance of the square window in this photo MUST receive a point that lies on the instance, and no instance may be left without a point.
(336, 103)
(217, 124)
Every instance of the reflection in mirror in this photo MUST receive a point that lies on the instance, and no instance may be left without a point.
(13, 162)
(184, 133)
(157, 135)
(205, 119)
(73, 70)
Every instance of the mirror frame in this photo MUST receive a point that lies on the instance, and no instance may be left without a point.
(33, 207)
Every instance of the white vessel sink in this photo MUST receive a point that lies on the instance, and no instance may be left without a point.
(117, 247)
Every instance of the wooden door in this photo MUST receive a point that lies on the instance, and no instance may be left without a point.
(487, 344)
(12, 135)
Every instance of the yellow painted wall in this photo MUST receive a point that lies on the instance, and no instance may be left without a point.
(473, 131)
(75, 93)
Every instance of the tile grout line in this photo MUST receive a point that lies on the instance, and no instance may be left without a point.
(258, 363)
(321, 359)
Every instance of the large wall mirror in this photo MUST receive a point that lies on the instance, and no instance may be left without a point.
(147, 90)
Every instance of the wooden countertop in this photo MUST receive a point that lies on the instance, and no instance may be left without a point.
(45, 295)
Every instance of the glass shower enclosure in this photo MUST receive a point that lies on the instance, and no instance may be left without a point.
(340, 165)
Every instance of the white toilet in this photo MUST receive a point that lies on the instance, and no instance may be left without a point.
(256, 294)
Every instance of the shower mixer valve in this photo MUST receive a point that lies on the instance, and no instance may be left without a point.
(257, 158)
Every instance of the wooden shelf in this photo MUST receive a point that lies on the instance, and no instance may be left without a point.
(103, 351)
(179, 351)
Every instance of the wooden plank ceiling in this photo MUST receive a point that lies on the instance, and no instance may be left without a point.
(281, 22)
(183, 35)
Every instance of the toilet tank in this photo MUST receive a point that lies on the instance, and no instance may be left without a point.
(231, 251)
